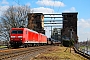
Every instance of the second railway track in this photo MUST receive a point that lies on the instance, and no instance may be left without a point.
(22, 51)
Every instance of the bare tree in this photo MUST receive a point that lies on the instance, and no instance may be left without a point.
(14, 16)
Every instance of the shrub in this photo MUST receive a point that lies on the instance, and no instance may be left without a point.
(68, 43)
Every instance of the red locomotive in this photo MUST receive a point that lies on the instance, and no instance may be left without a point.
(26, 37)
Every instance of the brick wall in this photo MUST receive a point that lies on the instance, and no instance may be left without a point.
(35, 22)
(69, 22)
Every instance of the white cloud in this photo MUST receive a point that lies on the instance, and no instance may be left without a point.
(84, 29)
(50, 3)
(42, 10)
(4, 2)
(3, 8)
(72, 9)
(27, 4)
(82, 23)
(83, 36)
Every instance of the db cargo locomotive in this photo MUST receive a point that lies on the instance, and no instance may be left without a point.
(26, 37)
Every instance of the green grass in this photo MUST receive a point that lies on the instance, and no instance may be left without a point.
(3, 46)
(89, 47)
(83, 47)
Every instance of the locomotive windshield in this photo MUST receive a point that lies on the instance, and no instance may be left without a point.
(20, 32)
(17, 32)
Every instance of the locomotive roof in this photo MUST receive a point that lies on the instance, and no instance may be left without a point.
(31, 30)
(27, 29)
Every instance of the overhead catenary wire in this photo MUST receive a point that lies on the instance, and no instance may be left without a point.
(45, 6)
(49, 3)
(17, 2)
(53, 5)
(59, 6)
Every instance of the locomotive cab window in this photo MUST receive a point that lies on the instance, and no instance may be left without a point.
(17, 32)
(20, 32)
(14, 31)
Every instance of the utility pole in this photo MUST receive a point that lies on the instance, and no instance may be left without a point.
(71, 31)
(51, 31)
(87, 45)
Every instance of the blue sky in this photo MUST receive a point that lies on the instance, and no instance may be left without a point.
(58, 6)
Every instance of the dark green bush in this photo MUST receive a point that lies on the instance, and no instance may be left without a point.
(68, 43)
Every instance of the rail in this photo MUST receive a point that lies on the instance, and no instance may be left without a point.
(82, 53)
(18, 52)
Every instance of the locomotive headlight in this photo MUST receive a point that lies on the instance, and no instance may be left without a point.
(12, 36)
(19, 36)
(11, 39)
(21, 39)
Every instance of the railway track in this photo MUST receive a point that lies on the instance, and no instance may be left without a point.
(22, 51)
(3, 48)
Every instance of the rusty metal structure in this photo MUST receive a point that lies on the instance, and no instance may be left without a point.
(69, 29)
(35, 22)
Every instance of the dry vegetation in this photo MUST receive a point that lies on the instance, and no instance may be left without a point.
(57, 53)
